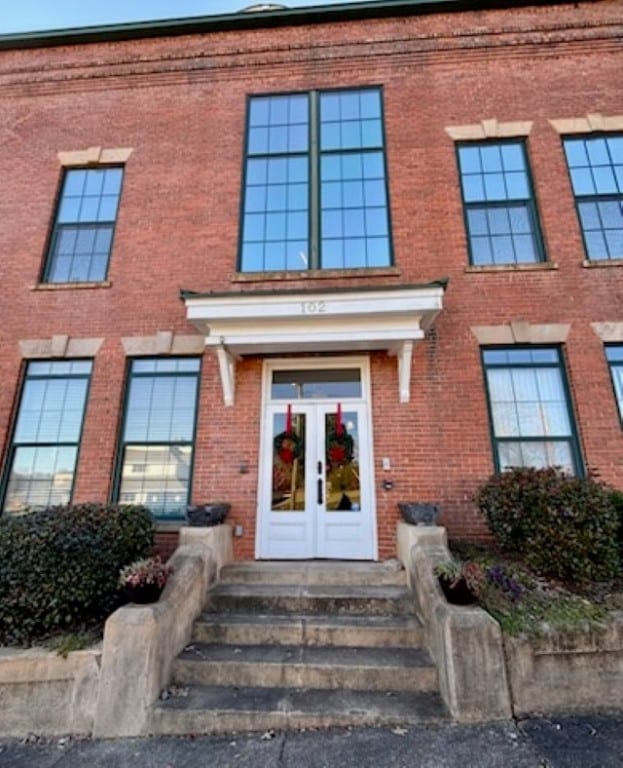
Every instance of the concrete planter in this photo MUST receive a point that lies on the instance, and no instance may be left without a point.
(47, 694)
(143, 594)
(485, 675)
(207, 515)
(456, 592)
(418, 513)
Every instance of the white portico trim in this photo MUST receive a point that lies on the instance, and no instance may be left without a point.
(338, 320)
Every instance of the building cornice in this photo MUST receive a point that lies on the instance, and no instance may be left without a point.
(350, 11)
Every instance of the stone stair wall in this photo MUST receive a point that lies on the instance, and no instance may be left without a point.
(297, 645)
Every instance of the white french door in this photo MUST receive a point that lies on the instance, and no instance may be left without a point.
(316, 496)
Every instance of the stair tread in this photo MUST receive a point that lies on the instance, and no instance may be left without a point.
(315, 572)
(315, 619)
(404, 705)
(387, 592)
(341, 656)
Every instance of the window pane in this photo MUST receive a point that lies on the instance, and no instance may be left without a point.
(596, 245)
(159, 433)
(575, 152)
(304, 384)
(598, 187)
(491, 158)
(157, 476)
(512, 157)
(491, 174)
(469, 159)
(258, 141)
(614, 353)
(351, 192)
(40, 477)
(473, 188)
(615, 356)
(605, 183)
(528, 403)
(74, 183)
(494, 187)
(47, 434)
(81, 252)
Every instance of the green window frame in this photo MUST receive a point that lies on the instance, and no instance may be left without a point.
(530, 414)
(499, 206)
(84, 226)
(44, 450)
(315, 182)
(595, 165)
(614, 356)
(156, 451)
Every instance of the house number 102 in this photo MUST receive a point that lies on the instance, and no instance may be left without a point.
(312, 307)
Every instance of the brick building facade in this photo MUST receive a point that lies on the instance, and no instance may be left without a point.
(312, 263)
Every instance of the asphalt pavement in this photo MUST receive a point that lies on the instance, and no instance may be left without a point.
(594, 741)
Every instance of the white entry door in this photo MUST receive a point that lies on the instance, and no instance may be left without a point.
(317, 492)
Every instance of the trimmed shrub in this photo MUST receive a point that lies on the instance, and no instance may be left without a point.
(563, 526)
(59, 567)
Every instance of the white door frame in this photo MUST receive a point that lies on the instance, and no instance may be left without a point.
(320, 363)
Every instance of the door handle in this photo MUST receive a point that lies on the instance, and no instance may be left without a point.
(320, 499)
(319, 467)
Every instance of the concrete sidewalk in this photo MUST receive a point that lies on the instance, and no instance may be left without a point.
(564, 742)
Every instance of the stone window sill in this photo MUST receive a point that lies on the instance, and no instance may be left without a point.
(602, 263)
(172, 526)
(539, 266)
(314, 274)
(70, 286)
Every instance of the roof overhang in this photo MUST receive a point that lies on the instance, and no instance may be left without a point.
(393, 319)
(285, 17)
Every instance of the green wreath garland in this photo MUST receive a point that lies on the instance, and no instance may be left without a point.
(288, 447)
(340, 448)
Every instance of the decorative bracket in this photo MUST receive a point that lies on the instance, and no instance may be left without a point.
(404, 353)
(227, 368)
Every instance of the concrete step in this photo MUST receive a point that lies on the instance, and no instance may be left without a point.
(266, 666)
(388, 573)
(215, 709)
(326, 599)
(309, 630)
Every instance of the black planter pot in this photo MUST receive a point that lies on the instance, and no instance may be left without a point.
(416, 513)
(207, 515)
(456, 593)
(143, 593)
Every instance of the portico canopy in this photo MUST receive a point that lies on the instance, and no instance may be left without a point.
(332, 320)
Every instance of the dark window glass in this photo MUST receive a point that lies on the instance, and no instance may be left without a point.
(596, 170)
(85, 218)
(304, 384)
(531, 419)
(47, 435)
(614, 355)
(500, 214)
(158, 435)
(339, 136)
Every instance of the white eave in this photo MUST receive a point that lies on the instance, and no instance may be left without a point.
(259, 323)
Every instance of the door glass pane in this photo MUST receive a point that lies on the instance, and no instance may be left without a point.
(304, 384)
(342, 482)
(288, 476)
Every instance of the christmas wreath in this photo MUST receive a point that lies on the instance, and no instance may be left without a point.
(288, 446)
(340, 447)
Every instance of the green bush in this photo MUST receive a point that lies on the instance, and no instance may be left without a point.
(59, 566)
(563, 526)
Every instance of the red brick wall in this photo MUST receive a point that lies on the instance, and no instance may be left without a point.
(180, 103)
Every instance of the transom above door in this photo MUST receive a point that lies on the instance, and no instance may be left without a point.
(316, 495)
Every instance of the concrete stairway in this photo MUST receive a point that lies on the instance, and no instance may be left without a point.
(302, 645)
